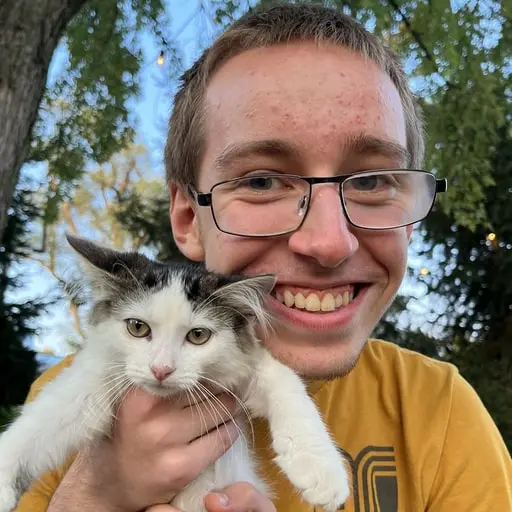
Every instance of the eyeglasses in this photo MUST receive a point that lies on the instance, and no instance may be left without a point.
(264, 205)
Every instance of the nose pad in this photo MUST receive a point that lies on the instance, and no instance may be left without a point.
(161, 372)
(302, 206)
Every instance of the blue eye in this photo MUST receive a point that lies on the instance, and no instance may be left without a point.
(260, 183)
(365, 182)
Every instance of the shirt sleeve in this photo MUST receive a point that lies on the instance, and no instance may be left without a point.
(38, 497)
(475, 468)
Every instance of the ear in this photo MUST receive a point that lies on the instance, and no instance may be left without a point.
(105, 268)
(248, 295)
(184, 223)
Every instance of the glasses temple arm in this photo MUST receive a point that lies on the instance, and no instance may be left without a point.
(441, 185)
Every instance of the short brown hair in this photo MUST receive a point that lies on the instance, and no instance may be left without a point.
(266, 27)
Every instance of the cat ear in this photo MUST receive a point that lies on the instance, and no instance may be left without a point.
(104, 268)
(248, 295)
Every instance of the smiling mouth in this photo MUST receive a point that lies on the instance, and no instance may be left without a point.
(316, 300)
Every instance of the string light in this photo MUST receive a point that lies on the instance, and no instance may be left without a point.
(160, 60)
(491, 237)
(424, 271)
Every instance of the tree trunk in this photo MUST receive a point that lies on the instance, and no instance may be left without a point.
(29, 32)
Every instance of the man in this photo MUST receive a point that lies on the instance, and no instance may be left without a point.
(277, 142)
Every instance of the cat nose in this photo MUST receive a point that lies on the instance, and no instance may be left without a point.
(162, 372)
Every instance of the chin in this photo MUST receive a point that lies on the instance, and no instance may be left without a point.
(316, 361)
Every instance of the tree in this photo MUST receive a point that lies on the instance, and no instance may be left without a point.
(18, 365)
(29, 33)
(84, 116)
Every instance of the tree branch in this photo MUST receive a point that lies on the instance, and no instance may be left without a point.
(73, 307)
(417, 37)
(68, 217)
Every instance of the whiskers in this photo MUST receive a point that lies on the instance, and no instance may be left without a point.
(201, 393)
(214, 401)
(111, 393)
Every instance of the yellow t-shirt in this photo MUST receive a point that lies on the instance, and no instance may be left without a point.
(415, 432)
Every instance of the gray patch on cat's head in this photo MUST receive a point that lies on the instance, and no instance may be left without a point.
(234, 302)
(117, 277)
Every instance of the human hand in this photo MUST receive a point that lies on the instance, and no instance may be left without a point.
(157, 447)
(241, 497)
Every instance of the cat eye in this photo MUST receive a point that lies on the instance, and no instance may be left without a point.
(137, 328)
(199, 336)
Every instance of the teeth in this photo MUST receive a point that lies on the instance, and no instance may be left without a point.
(312, 302)
(328, 303)
(289, 299)
(300, 301)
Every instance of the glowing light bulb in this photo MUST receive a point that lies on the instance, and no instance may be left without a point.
(424, 271)
(160, 60)
(491, 237)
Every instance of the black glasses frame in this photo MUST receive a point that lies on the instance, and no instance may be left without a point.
(205, 198)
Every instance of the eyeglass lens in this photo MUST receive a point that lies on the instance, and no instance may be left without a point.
(267, 205)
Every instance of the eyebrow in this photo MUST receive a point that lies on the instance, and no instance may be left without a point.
(267, 147)
(364, 144)
(360, 144)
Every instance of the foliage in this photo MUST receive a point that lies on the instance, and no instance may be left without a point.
(85, 114)
(18, 366)
(146, 219)
(115, 204)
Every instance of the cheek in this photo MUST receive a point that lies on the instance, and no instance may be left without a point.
(390, 251)
(229, 254)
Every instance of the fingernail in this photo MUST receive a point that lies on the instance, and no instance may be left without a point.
(223, 499)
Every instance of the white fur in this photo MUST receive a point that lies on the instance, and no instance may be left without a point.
(76, 408)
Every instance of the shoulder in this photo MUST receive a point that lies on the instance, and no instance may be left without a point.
(404, 382)
(395, 366)
(390, 355)
(47, 376)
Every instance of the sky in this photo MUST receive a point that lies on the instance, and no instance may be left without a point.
(192, 27)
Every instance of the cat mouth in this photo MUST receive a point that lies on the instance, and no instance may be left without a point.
(311, 300)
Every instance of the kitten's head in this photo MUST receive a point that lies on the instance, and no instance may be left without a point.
(168, 325)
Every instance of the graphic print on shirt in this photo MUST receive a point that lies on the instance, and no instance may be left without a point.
(375, 486)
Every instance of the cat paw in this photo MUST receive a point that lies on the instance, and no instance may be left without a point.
(322, 478)
(8, 498)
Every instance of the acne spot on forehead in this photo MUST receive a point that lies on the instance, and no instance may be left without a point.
(254, 97)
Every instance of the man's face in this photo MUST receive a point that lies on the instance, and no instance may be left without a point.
(315, 100)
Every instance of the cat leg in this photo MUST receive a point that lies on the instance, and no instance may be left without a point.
(304, 449)
(57, 422)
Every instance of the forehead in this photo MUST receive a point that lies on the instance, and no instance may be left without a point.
(317, 97)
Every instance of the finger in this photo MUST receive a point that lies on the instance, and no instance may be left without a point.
(138, 404)
(208, 415)
(239, 497)
(207, 449)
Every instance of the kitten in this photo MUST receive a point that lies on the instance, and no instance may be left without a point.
(202, 325)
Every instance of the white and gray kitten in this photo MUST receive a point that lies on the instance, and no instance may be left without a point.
(150, 317)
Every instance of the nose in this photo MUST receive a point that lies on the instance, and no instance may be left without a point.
(161, 372)
(325, 234)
